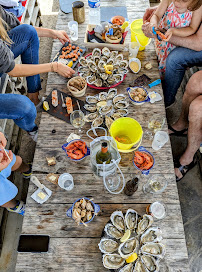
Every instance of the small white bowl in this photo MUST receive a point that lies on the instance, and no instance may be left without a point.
(138, 62)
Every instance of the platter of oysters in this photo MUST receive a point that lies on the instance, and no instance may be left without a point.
(129, 243)
(103, 69)
(105, 108)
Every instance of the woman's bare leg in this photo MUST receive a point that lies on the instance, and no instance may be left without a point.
(20, 166)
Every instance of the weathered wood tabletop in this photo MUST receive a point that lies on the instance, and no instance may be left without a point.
(72, 248)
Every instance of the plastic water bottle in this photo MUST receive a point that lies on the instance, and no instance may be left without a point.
(94, 12)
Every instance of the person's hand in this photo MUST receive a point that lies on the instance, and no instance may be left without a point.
(4, 160)
(64, 70)
(3, 140)
(148, 14)
(147, 30)
(61, 35)
(169, 34)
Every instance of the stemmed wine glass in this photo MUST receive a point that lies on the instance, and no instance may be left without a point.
(77, 120)
(155, 124)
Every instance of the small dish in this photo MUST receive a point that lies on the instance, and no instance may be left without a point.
(76, 92)
(134, 101)
(135, 60)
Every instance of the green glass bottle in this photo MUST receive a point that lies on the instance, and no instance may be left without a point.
(103, 155)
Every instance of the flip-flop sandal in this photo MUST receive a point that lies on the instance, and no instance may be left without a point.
(184, 169)
(176, 132)
(19, 208)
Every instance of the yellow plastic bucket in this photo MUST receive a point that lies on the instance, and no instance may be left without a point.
(137, 34)
(127, 132)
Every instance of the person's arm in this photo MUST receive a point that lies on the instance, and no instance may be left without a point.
(148, 14)
(61, 35)
(3, 140)
(159, 12)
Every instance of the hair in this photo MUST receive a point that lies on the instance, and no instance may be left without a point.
(3, 32)
(194, 5)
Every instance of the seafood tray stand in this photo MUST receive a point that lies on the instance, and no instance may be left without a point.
(72, 248)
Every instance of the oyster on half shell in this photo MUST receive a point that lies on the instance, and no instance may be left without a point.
(111, 93)
(91, 116)
(128, 248)
(127, 268)
(123, 112)
(139, 267)
(96, 52)
(118, 98)
(83, 61)
(150, 263)
(91, 99)
(102, 96)
(121, 104)
(131, 219)
(97, 122)
(112, 261)
(106, 51)
(105, 110)
(92, 66)
(107, 245)
(144, 223)
(98, 82)
(116, 115)
(113, 232)
(108, 121)
(117, 219)
(152, 234)
(154, 249)
(91, 108)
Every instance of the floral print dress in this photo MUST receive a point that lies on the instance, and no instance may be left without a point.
(170, 19)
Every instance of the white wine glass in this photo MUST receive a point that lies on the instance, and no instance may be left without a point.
(155, 185)
(77, 120)
(155, 124)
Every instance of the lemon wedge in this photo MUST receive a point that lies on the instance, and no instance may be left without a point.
(108, 69)
(46, 105)
(70, 64)
(132, 258)
(126, 236)
(125, 24)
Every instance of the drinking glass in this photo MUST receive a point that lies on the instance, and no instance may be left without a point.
(77, 120)
(73, 28)
(112, 182)
(155, 184)
(160, 139)
(155, 124)
(133, 49)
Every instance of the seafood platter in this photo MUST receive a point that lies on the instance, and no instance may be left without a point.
(129, 243)
(70, 54)
(105, 108)
(103, 69)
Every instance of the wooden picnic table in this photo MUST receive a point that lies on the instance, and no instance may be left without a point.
(73, 248)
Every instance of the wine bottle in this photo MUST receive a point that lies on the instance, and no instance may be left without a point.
(131, 187)
(103, 155)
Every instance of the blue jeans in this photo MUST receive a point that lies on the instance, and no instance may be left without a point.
(26, 43)
(19, 108)
(176, 64)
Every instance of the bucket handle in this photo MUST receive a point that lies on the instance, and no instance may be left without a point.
(123, 179)
(132, 149)
(94, 131)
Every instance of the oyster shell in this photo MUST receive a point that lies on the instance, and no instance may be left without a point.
(108, 121)
(118, 98)
(139, 267)
(101, 65)
(106, 51)
(90, 57)
(86, 74)
(101, 103)
(113, 232)
(127, 268)
(92, 66)
(119, 58)
(83, 61)
(107, 245)
(128, 248)
(104, 58)
(110, 61)
(123, 112)
(114, 54)
(91, 79)
(83, 69)
(110, 80)
(96, 59)
(121, 104)
(91, 99)
(154, 249)
(91, 116)
(150, 263)
(123, 64)
(117, 219)
(98, 82)
(104, 76)
(105, 110)
(151, 235)
(102, 96)
(97, 122)
(131, 218)
(118, 77)
(122, 71)
(112, 261)
(116, 115)
(96, 52)
(91, 108)
(111, 93)
(144, 223)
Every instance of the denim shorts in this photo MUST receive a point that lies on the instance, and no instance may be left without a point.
(8, 190)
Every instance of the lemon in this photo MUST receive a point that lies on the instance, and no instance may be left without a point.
(46, 105)
(132, 258)
(126, 236)
(70, 64)
(108, 69)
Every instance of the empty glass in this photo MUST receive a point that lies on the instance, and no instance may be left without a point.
(73, 28)
(155, 184)
(77, 120)
(133, 49)
(160, 138)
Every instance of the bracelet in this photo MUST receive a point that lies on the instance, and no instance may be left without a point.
(52, 68)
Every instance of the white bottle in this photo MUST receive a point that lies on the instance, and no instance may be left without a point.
(94, 12)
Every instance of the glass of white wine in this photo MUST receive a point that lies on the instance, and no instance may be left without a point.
(77, 120)
(155, 185)
(155, 124)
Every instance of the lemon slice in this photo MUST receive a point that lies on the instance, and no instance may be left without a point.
(70, 64)
(46, 105)
(132, 258)
(108, 69)
(125, 24)
(126, 236)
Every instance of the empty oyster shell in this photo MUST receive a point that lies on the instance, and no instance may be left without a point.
(92, 66)
(102, 96)
(107, 245)
(118, 98)
(117, 219)
(116, 115)
(114, 54)
(83, 61)
(112, 261)
(96, 52)
(91, 79)
(105, 110)
(110, 61)
(111, 93)
(154, 249)
(108, 121)
(151, 235)
(127, 268)
(119, 58)
(91, 99)
(91, 108)
(128, 248)
(118, 77)
(122, 112)
(139, 267)
(121, 104)
(106, 51)
(150, 263)
(97, 122)
(91, 116)
(113, 232)
(144, 223)
(98, 82)
(131, 219)
(123, 64)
